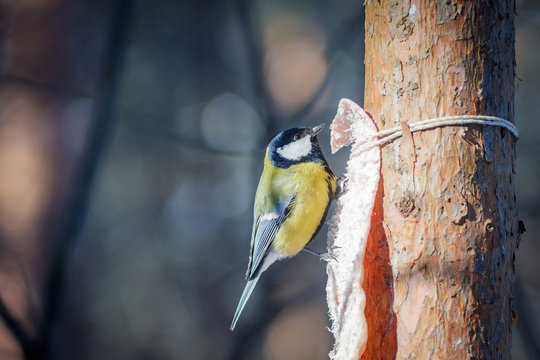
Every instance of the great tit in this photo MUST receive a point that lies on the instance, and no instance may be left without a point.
(291, 203)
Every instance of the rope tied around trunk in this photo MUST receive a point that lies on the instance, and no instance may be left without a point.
(386, 136)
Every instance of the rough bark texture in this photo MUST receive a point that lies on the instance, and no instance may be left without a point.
(449, 210)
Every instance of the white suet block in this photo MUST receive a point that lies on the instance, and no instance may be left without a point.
(349, 229)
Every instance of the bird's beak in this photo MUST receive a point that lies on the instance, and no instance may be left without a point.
(316, 130)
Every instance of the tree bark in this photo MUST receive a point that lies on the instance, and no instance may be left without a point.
(449, 209)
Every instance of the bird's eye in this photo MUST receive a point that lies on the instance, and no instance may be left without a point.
(297, 137)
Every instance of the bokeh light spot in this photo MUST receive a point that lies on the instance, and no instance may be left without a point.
(294, 61)
(230, 123)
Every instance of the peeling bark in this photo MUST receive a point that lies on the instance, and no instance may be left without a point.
(449, 211)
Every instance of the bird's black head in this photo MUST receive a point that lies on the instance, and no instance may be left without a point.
(295, 146)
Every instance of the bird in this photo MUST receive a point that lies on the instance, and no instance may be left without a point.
(291, 202)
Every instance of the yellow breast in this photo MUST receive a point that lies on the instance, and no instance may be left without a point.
(314, 188)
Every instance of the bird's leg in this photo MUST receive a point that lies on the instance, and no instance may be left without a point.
(323, 256)
(309, 251)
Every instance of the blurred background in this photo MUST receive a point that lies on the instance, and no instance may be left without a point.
(131, 141)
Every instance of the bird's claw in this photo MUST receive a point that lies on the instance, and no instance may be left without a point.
(342, 185)
(326, 257)
(330, 255)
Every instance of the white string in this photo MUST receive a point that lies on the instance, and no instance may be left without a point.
(386, 136)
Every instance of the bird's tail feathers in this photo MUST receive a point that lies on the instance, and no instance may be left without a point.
(243, 299)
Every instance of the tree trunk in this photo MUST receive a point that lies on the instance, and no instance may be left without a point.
(449, 211)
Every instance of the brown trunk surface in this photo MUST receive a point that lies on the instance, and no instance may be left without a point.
(449, 211)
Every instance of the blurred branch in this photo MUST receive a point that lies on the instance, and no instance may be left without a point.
(353, 28)
(247, 19)
(348, 33)
(343, 38)
(301, 113)
(96, 142)
(351, 31)
(16, 329)
(26, 343)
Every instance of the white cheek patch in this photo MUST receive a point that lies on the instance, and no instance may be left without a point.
(297, 149)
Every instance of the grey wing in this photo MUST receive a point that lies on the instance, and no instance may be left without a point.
(264, 231)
